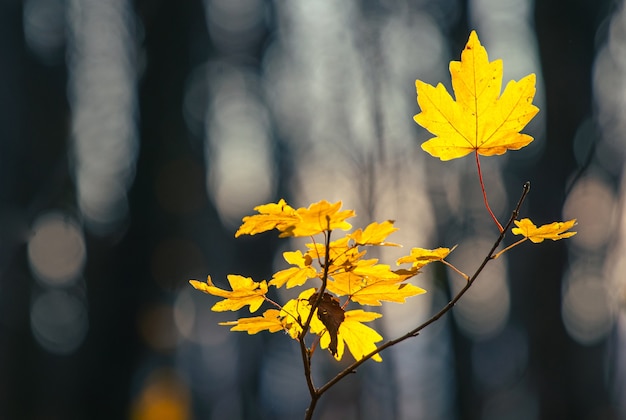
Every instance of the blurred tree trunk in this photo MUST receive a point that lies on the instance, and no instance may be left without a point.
(566, 35)
(33, 178)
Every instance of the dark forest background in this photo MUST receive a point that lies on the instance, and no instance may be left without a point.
(115, 333)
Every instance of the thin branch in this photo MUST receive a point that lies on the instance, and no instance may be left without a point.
(306, 353)
(415, 332)
(322, 288)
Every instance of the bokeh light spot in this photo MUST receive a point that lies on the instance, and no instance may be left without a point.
(58, 321)
(156, 325)
(484, 309)
(593, 204)
(56, 250)
(185, 312)
(44, 28)
(164, 396)
(240, 153)
(587, 311)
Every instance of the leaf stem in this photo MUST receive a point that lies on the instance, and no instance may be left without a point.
(508, 247)
(482, 187)
(453, 268)
(415, 332)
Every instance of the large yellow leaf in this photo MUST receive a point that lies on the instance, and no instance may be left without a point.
(317, 218)
(554, 231)
(245, 291)
(368, 283)
(480, 119)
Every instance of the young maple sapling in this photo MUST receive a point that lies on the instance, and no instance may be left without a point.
(479, 120)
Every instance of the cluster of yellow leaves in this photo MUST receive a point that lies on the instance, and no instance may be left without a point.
(349, 278)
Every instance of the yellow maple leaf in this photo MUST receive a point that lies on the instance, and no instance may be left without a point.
(341, 253)
(419, 257)
(359, 338)
(480, 119)
(245, 291)
(270, 321)
(368, 283)
(379, 290)
(295, 276)
(296, 311)
(317, 218)
(374, 234)
(554, 231)
(272, 215)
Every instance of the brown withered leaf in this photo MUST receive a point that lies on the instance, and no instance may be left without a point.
(331, 314)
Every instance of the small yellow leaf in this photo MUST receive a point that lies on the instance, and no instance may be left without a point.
(296, 312)
(269, 321)
(294, 276)
(245, 291)
(359, 338)
(480, 119)
(554, 231)
(419, 257)
(374, 234)
(280, 216)
(341, 253)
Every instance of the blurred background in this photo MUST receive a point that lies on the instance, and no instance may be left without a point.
(135, 135)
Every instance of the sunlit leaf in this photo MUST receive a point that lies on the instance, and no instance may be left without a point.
(273, 215)
(374, 234)
(245, 291)
(368, 283)
(554, 231)
(296, 311)
(294, 276)
(359, 338)
(269, 321)
(419, 257)
(317, 218)
(480, 119)
(341, 253)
